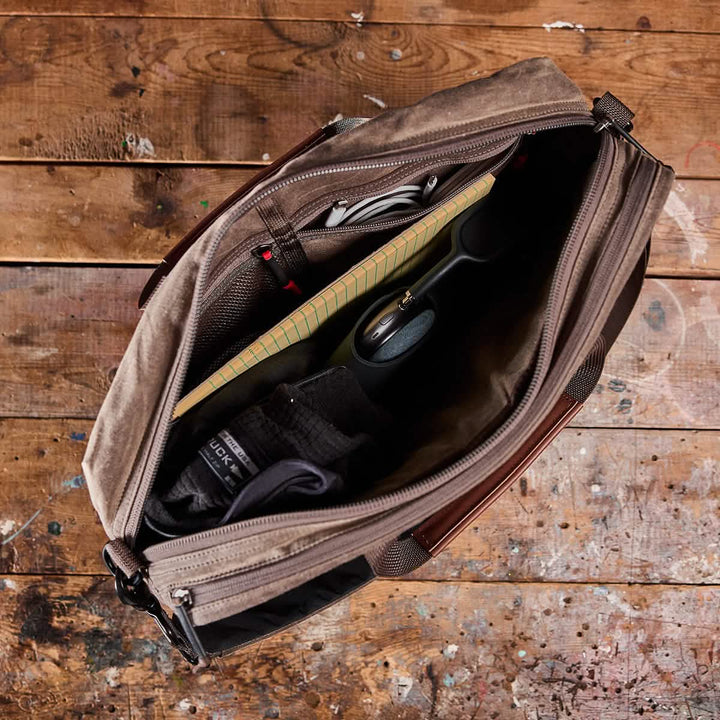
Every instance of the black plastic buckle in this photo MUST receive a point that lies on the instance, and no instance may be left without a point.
(135, 592)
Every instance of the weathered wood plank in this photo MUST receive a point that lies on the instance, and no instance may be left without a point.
(104, 213)
(622, 14)
(586, 511)
(663, 371)
(120, 214)
(601, 505)
(47, 524)
(65, 330)
(686, 238)
(240, 90)
(393, 650)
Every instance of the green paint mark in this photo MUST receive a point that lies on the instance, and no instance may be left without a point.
(204, 203)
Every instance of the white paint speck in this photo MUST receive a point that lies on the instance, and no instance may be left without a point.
(583, 451)
(380, 103)
(689, 226)
(7, 526)
(185, 704)
(8, 584)
(395, 54)
(563, 25)
(358, 17)
(402, 685)
(360, 55)
(450, 651)
(595, 488)
(266, 157)
(139, 146)
(112, 677)
(522, 653)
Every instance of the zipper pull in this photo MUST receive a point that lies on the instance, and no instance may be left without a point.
(265, 253)
(337, 213)
(430, 185)
(134, 591)
(611, 113)
(182, 601)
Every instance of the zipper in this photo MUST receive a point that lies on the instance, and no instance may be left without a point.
(182, 601)
(556, 295)
(641, 184)
(411, 217)
(146, 474)
(220, 280)
(265, 253)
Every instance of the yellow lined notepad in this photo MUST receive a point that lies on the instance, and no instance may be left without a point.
(393, 258)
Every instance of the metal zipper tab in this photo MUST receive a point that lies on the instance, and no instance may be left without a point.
(611, 113)
(182, 601)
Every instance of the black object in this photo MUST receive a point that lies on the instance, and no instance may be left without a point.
(297, 447)
(472, 240)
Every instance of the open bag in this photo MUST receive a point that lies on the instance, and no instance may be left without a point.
(348, 360)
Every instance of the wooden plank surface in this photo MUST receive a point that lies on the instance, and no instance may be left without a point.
(663, 370)
(100, 213)
(621, 14)
(589, 590)
(65, 330)
(244, 90)
(115, 214)
(406, 650)
(604, 505)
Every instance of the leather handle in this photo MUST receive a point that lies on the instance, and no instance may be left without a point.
(439, 529)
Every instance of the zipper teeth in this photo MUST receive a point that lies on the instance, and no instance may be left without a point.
(216, 590)
(159, 437)
(585, 118)
(218, 285)
(507, 156)
(470, 458)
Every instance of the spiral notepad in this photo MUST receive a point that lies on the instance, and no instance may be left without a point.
(393, 258)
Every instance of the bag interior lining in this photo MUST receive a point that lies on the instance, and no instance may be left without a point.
(467, 381)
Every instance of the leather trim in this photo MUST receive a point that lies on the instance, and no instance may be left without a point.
(173, 257)
(439, 529)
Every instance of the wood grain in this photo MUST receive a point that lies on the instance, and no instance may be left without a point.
(392, 651)
(663, 371)
(622, 14)
(239, 91)
(112, 214)
(70, 213)
(65, 330)
(602, 505)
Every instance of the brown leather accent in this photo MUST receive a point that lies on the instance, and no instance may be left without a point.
(173, 257)
(439, 529)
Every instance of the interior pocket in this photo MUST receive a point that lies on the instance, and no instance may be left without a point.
(245, 297)
(466, 380)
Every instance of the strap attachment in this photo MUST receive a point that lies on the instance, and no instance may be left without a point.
(612, 114)
(134, 591)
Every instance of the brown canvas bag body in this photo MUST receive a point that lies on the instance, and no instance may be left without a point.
(528, 347)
